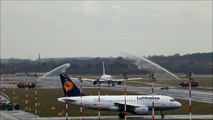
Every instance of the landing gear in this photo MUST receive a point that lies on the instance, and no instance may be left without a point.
(119, 82)
(162, 115)
(122, 115)
(113, 84)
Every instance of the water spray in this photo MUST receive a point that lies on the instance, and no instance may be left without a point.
(59, 70)
(56, 71)
(144, 63)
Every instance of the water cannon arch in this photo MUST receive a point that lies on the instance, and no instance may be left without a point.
(143, 63)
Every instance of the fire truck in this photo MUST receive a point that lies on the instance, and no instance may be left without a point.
(190, 80)
(25, 85)
(186, 83)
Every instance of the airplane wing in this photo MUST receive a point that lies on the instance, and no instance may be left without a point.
(93, 80)
(133, 108)
(85, 79)
(113, 80)
(129, 79)
(70, 100)
(89, 79)
(63, 99)
(119, 104)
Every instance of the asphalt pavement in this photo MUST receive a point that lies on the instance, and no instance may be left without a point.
(21, 115)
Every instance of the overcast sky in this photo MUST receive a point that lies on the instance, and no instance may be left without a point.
(104, 28)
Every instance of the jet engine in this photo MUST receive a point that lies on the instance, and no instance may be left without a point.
(114, 108)
(141, 110)
(95, 83)
(119, 82)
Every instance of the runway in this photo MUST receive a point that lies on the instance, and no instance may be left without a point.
(198, 96)
(175, 117)
(21, 115)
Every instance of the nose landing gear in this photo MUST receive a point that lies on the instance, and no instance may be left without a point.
(122, 114)
(162, 115)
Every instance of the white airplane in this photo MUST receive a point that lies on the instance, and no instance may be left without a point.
(135, 104)
(107, 79)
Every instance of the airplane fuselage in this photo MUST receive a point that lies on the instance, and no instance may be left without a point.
(112, 102)
(135, 104)
(106, 77)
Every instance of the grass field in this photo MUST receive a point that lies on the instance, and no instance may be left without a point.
(205, 81)
(49, 106)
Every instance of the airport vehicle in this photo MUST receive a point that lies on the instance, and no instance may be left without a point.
(165, 88)
(25, 85)
(135, 104)
(190, 80)
(186, 83)
(107, 79)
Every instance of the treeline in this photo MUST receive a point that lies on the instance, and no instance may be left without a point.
(199, 63)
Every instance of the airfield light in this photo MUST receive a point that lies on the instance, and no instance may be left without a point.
(81, 104)
(4, 77)
(36, 95)
(99, 104)
(125, 79)
(26, 93)
(66, 104)
(153, 103)
(14, 80)
(190, 101)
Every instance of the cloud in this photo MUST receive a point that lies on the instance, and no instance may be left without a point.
(90, 8)
(118, 12)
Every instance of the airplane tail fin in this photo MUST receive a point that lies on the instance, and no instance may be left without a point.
(69, 88)
(103, 69)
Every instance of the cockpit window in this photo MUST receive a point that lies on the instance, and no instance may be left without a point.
(172, 100)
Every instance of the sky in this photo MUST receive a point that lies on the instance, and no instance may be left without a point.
(104, 28)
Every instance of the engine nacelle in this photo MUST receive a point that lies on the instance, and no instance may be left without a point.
(119, 82)
(95, 83)
(141, 110)
(114, 108)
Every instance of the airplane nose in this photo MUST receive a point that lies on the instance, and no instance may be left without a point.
(60, 99)
(178, 105)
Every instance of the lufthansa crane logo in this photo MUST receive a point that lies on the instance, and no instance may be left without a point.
(68, 85)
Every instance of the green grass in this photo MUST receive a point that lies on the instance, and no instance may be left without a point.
(49, 106)
(205, 82)
(197, 108)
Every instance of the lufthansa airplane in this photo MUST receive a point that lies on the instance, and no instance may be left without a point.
(135, 104)
(106, 79)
